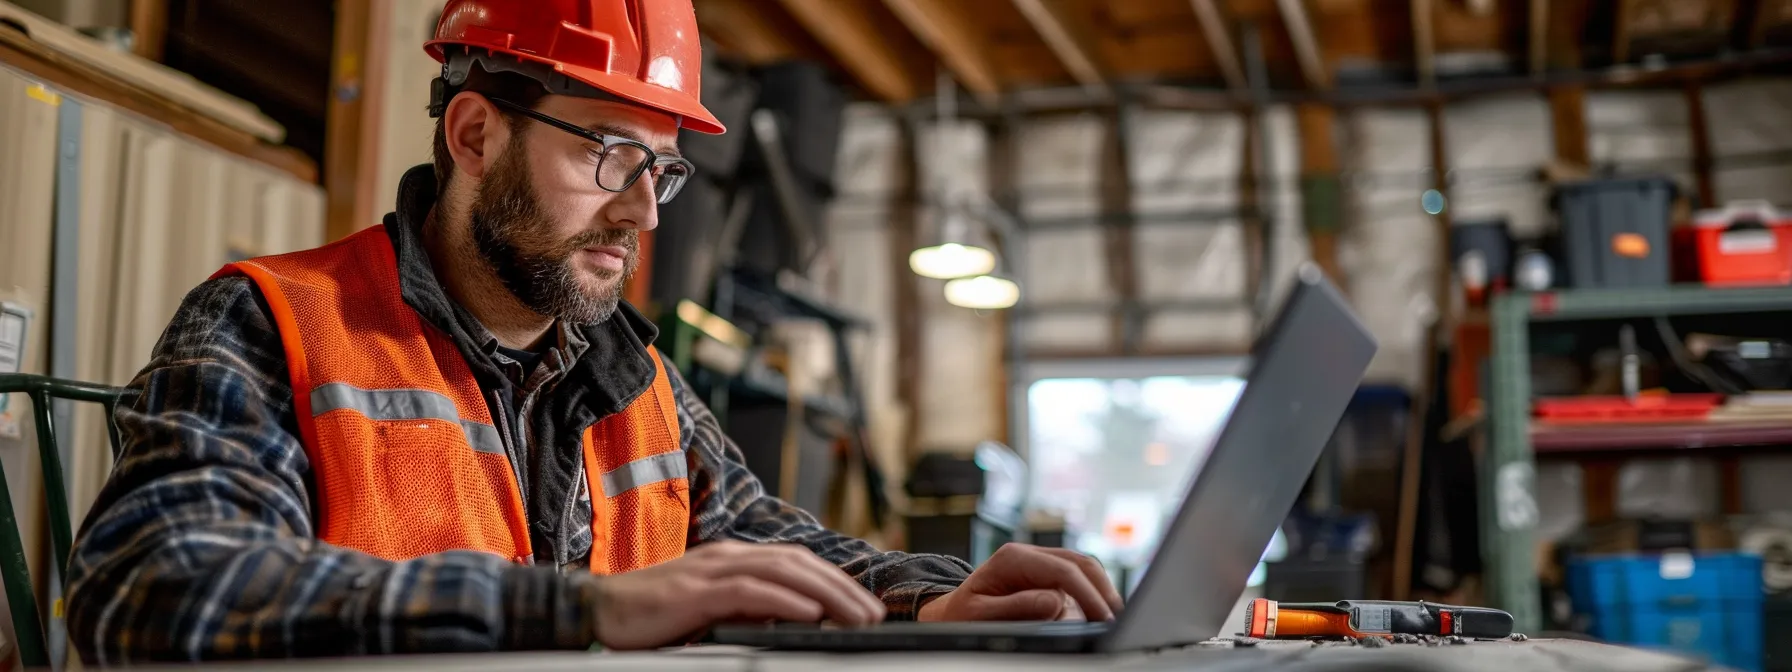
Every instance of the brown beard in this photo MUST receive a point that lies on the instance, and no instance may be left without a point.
(511, 233)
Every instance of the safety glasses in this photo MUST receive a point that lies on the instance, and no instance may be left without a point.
(622, 160)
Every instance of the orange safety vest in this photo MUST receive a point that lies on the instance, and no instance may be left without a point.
(407, 459)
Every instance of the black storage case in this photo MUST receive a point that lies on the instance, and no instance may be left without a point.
(1615, 231)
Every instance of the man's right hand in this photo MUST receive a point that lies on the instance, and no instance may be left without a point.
(722, 581)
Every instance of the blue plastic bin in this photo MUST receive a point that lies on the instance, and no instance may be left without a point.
(1706, 605)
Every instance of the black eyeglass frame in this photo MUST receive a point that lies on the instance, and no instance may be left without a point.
(608, 142)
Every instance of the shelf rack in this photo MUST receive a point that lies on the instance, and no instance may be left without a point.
(1509, 513)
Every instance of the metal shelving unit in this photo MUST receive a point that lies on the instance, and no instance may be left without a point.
(1509, 512)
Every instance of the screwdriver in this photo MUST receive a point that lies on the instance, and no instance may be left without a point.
(1267, 619)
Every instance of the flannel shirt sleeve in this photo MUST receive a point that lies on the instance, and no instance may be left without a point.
(202, 544)
(729, 502)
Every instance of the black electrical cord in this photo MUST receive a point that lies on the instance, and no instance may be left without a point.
(1683, 360)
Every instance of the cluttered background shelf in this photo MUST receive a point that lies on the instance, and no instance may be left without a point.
(1674, 437)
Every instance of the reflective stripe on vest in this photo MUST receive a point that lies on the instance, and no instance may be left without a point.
(404, 405)
(405, 454)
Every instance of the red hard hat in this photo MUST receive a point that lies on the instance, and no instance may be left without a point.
(642, 51)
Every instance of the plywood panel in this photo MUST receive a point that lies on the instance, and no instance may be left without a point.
(1748, 117)
(1059, 159)
(1066, 266)
(1186, 161)
(1459, 29)
(103, 147)
(1366, 30)
(1147, 37)
(1384, 248)
(1642, 131)
(1182, 261)
(1020, 55)
(1501, 142)
(959, 391)
(1090, 332)
(28, 123)
(1228, 331)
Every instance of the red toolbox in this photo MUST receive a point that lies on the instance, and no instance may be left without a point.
(1744, 243)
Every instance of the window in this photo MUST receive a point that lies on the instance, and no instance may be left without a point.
(1114, 455)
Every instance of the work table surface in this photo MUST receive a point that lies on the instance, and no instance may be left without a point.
(1220, 656)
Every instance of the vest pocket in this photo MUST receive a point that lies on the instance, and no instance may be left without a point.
(641, 527)
(400, 489)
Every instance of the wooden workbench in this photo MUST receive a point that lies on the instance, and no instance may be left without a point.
(1501, 656)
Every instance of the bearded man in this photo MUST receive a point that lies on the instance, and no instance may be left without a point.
(448, 433)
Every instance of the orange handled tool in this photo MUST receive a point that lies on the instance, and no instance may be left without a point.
(1267, 619)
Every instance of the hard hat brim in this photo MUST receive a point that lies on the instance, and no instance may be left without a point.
(690, 111)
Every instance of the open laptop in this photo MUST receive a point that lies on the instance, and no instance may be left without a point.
(1303, 371)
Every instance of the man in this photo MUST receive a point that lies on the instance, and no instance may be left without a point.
(448, 434)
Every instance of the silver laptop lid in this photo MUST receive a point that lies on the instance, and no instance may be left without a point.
(1303, 372)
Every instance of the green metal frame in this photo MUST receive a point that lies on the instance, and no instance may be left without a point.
(1509, 511)
(33, 651)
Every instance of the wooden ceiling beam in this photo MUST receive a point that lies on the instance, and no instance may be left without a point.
(1119, 242)
(944, 28)
(745, 30)
(1621, 31)
(149, 26)
(1424, 42)
(846, 29)
(1067, 40)
(1539, 41)
(1306, 44)
(1768, 13)
(1219, 39)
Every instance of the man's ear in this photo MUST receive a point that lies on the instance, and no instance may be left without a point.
(475, 132)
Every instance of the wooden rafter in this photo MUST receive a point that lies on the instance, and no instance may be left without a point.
(1219, 40)
(1767, 14)
(149, 27)
(1306, 43)
(1067, 40)
(904, 237)
(744, 29)
(1317, 126)
(1702, 161)
(1621, 31)
(943, 27)
(1568, 121)
(846, 29)
(1118, 240)
(1539, 43)
(1424, 44)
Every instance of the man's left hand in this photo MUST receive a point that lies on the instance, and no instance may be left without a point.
(1021, 582)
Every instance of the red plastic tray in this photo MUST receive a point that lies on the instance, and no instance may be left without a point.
(1646, 408)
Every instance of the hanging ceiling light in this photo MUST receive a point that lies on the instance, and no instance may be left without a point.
(948, 261)
(983, 292)
(953, 254)
(954, 257)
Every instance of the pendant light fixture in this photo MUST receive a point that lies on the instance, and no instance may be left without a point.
(983, 292)
(953, 255)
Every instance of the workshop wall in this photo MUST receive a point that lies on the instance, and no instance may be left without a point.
(1749, 118)
(1189, 167)
(406, 130)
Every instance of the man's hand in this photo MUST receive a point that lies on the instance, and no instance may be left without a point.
(1028, 583)
(665, 604)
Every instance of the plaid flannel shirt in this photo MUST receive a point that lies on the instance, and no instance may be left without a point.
(202, 544)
